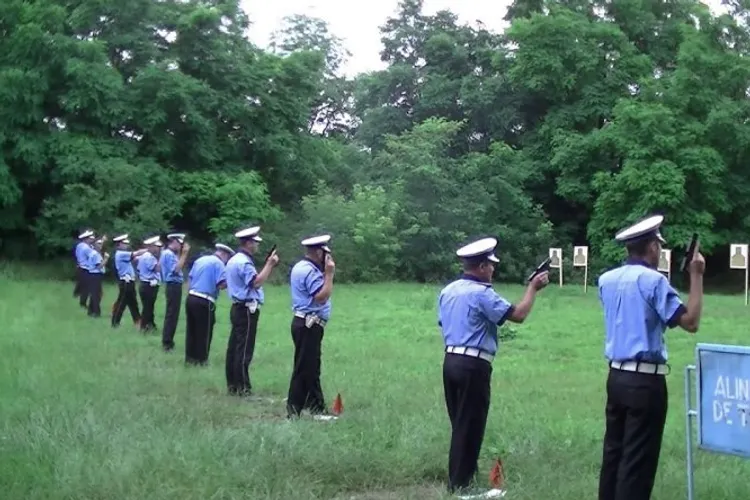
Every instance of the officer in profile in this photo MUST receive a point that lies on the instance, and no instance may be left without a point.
(245, 289)
(126, 297)
(97, 266)
(469, 313)
(149, 275)
(83, 250)
(171, 264)
(639, 305)
(311, 283)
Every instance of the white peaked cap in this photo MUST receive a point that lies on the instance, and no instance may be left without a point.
(250, 232)
(86, 234)
(318, 241)
(645, 228)
(176, 236)
(484, 247)
(159, 244)
(224, 248)
(154, 240)
(123, 238)
(126, 241)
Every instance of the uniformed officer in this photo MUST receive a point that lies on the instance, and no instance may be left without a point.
(83, 249)
(245, 290)
(172, 262)
(639, 305)
(469, 313)
(97, 265)
(149, 277)
(311, 288)
(207, 277)
(126, 296)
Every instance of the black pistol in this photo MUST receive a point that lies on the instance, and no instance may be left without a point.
(689, 253)
(544, 266)
(270, 252)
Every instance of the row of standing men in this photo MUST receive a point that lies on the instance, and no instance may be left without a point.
(234, 270)
(639, 305)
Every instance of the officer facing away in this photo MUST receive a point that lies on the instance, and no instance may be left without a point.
(311, 287)
(126, 297)
(172, 261)
(469, 313)
(245, 290)
(639, 304)
(206, 278)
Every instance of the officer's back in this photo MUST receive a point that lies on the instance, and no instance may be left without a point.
(638, 303)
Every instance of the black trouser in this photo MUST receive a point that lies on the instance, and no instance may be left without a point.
(200, 316)
(126, 298)
(171, 314)
(240, 348)
(148, 295)
(85, 289)
(80, 275)
(466, 383)
(304, 388)
(95, 289)
(636, 411)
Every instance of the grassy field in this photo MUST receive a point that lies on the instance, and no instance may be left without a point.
(91, 413)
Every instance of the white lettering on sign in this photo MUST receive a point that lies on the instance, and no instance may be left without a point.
(735, 389)
(732, 399)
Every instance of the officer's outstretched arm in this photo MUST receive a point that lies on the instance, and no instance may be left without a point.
(519, 312)
(498, 310)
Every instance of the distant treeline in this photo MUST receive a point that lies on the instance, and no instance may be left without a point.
(145, 117)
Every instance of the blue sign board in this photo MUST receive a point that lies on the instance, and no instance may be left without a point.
(723, 391)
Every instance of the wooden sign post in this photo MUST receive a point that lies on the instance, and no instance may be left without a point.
(738, 260)
(665, 263)
(556, 261)
(581, 259)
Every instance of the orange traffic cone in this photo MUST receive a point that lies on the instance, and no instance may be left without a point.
(338, 406)
(497, 476)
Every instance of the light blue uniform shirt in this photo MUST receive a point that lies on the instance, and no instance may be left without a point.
(306, 281)
(169, 272)
(95, 262)
(206, 275)
(124, 264)
(83, 251)
(241, 273)
(639, 304)
(469, 312)
(147, 268)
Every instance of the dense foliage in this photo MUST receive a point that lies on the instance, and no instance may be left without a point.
(145, 116)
